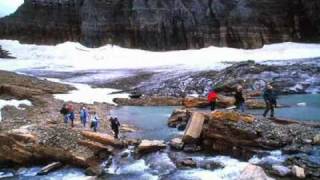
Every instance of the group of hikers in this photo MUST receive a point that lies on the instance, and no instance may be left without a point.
(68, 113)
(269, 96)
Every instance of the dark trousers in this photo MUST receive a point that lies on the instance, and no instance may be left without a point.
(94, 125)
(269, 106)
(213, 106)
(72, 125)
(116, 132)
(83, 121)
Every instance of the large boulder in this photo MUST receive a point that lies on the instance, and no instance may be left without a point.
(191, 102)
(194, 128)
(252, 172)
(231, 116)
(102, 138)
(147, 146)
(298, 172)
(225, 101)
(316, 139)
(179, 116)
(19, 92)
(149, 101)
(96, 146)
(177, 143)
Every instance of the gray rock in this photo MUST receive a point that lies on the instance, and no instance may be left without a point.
(298, 172)
(165, 24)
(281, 170)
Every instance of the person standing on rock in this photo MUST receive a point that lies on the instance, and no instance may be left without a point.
(239, 99)
(212, 99)
(270, 99)
(71, 114)
(115, 124)
(84, 115)
(94, 121)
(65, 113)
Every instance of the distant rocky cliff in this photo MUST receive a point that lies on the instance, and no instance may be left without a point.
(164, 24)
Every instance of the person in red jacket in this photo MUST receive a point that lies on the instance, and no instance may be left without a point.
(212, 99)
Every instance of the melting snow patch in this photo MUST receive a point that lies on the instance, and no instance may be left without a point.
(15, 103)
(89, 95)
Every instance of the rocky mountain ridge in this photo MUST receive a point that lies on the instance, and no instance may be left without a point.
(164, 24)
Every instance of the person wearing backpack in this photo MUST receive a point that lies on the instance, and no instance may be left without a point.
(115, 124)
(94, 121)
(239, 99)
(270, 98)
(212, 99)
(65, 113)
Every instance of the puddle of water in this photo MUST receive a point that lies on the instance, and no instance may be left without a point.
(150, 121)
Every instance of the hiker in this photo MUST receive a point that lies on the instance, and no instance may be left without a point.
(72, 117)
(94, 121)
(115, 124)
(212, 99)
(84, 115)
(239, 99)
(270, 99)
(65, 113)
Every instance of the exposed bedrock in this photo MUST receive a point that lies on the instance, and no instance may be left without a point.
(242, 135)
(164, 24)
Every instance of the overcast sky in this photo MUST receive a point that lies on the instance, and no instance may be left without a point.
(9, 6)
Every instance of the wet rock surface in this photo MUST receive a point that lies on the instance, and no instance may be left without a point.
(164, 25)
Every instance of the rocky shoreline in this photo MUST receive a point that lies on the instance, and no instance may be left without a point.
(242, 136)
(37, 134)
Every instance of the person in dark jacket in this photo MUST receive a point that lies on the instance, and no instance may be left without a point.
(115, 124)
(239, 99)
(270, 99)
(64, 111)
(95, 121)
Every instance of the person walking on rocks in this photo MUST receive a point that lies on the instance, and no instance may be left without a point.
(71, 115)
(212, 99)
(65, 113)
(239, 99)
(270, 99)
(94, 121)
(115, 124)
(84, 115)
